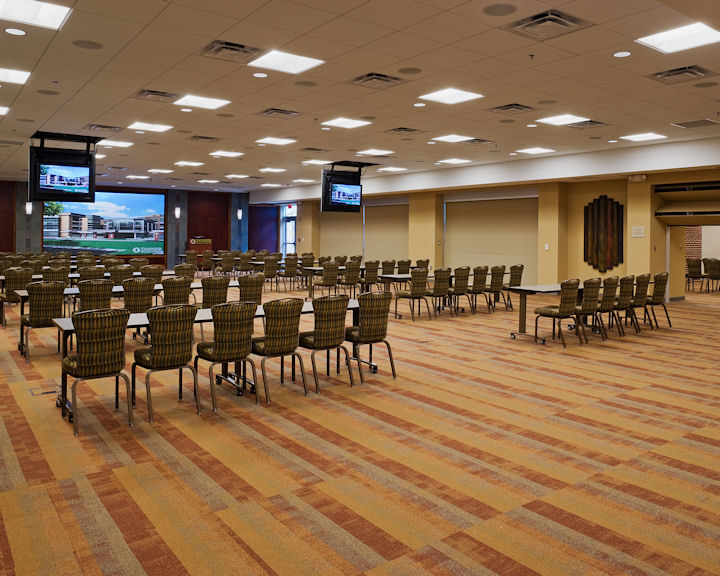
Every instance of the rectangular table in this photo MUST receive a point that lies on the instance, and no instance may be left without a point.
(522, 311)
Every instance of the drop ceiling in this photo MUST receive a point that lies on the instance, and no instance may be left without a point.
(89, 73)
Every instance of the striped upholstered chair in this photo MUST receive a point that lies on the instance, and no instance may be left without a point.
(371, 328)
(176, 290)
(516, 271)
(191, 258)
(15, 279)
(423, 263)
(387, 267)
(479, 286)
(289, 271)
(138, 263)
(187, 270)
(172, 346)
(233, 326)
(440, 289)
(250, 287)
(370, 278)
(588, 308)
(120, 273)
(282, 332)
(100, 354)
(658, 298)
(328, 332)
(46, 301)
(495, 290)
(94, 294)
(91, 272)
(215, 289)
(416, 293)
(639, 299)
(606, 305)
(270, 269)
(566, 309)
(351, 278)
(138, 294)
(624, 300)
(329, 278)
(460, 288)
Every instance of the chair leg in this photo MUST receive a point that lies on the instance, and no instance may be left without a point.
(74, 406)
(195, 386)
(262, 369)
(392, 362)
(254, 372)
(356, 353)
(302, 371)
(149, 396)
(427, 306)
(667, 315)
(560, 332)
(212, 382)
(127, 395)
(314, 367)
(347, 363)
(26, 345)
(411, 303)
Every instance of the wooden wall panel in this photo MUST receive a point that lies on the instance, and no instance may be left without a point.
(208, 215)
(264, 228)
(7, 216)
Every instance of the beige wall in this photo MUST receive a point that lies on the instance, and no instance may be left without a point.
(552, 233)
(386, 232)
(493, 232)
(340, 233)
(307, 228)
(711, 241)
(425, 228)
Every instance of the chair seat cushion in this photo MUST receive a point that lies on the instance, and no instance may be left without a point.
(403, 294)
(352, 333)
(25, 321)
(143, 357)
(206, 350)
(307, 339)
(69, 364)
(258, 346)
(550, 311)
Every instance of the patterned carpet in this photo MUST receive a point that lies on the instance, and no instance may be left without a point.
(486, 456)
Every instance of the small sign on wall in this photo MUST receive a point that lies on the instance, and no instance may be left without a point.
(638, 231)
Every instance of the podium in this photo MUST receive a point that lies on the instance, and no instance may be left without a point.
(199, 244)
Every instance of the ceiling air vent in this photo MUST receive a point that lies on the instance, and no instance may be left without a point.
(684, 74)
(512, 109)
(174, 179)
(587, 124)
(197, 138)
(311, 149)
(403, 130)
(156, 96)
(102, 128)
(546, 25)
(477, 141)
(230, 51)
(279, 113)
(376, 80)
(696, 123)
(11, 143)
(118, 168)
(201, 173)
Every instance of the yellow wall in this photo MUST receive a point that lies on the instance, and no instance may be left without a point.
(340, 233)
(386, 232)
(552, 257)
(307, 230)
(425, 228)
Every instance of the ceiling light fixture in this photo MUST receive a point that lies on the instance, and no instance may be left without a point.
(115, 144)
(622, 54)
(454, 161)
(643, 137)
(15, 31)
(303, 181)
(237, 176)
(392, 169)
(562, 120)
(535, 150)
(260, 75)
(188, 163)
(160, 171)
(270, 185)
(137, 177)
(682, 38)
(451, 96)
(453, 138)
(317, 162)
(41, 14)
(205, 181)
(276, 141)
(374, 152)
(285, 62)
(201, 102)
(4, 110)
(149, 127)
(272, 170)
(13, 76)
(346, 123)
(226, 154)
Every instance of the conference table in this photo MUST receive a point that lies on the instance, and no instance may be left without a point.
(74, 276)
(524, 291)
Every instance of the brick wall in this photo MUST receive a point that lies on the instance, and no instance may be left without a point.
(693, 241)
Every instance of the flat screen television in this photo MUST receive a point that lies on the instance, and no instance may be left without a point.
(117, 223)
(61, 174)
(341, 191)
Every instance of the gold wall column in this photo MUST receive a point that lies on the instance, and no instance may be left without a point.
(425, 228)
(307, 227)
(552, 232)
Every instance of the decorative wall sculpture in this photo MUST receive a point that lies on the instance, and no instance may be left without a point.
(603, 246)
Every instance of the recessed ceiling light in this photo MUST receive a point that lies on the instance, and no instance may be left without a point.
(374, 152)
(325, 128)
(392, 169)
(185, 109)
(285, 62)
(13, 76)
(149, 127)
(226, 154)
(260, 75)
(41, 14)
(303, 181)
(512, 154)
(139, 132)
(115, 143)
(160, 171)
(535, 150)
(201, 102)
(276, 141)
(453, 138)
(643, 137)
(188, 163)
(622, 54)
(100, 156)
(346, 123)
(612, 141)
(237, 176)
(563, 119)
(272, 170)
(431, 142)
(4, 110)
(531, 125)
(451, 96)
(682, 38)
(136, 177)
(419, 104)
(454, 161)
(270, 185)
(208, 181)
(317, 162)
(15, 31)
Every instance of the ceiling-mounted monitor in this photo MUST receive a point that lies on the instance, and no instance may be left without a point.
(341, 191)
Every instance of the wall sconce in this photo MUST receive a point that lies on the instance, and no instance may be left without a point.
(177, 212)
(239, 213)
(28, 208)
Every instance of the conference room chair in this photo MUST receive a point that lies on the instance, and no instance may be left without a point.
(185, 270)
(282, 335)
(495, 290)
(516, 272)
(423, 263)
(658, 299)
(416, 293)
(232, 342)
(176, 290)
(207, 261)
(606, 305)
(694, 272)
(215, 289)
(100, 353)
(109, 262)
(289, 271)
(138, 263)
(46, 301)
(341, 260)
(306, 261)
(270, 270)
(440, 290)
(120, 273)
(191, 257)
(639, 299)
(138, 293)
(94, 294)
(566, 309)
(15, 279)
(624, 300)
(172, 346)
(251, 252)
(350, 278)
(328, 332)
(712, 271)
(91, 272)
(244, 266)
(387, 267)
(356, 258)
(588, 307)
(370, 278)
(35, 265)
(459, 288)
(479, 286)
(54, 262)
(57, 274)
(261, 254)
(154, 271)
(329, 278)
(250, 287)
(227, 266)
(371, 328)
(403, 267)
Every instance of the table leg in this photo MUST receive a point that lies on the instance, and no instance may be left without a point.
(386, 285)
(522, 317)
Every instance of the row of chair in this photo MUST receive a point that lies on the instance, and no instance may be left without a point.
(710, 277)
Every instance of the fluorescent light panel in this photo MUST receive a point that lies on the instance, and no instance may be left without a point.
(317, 162)
(272, 170)
(645, 136)
(137, 177)
(453, 138)
(303, 181)
(374, 152)
(562, 120)
(391, 169)
(41, 14)
(115, 143)
(13, 76)
(4, 110)
(454, 161)
(188, 163)
(201, 102)
(204, 181)
(285, 62)
(345, 123)
(226, 154)
(270, 185)
(160, 171)
(683, 38)
(450, 96)
(149, 127)
(238, 176)
(276, 141)
(535, 150)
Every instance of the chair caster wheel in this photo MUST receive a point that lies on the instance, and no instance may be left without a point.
(20, 348)
(373, 369)
(70, 417)
(512, 336)
(58, 403)
(218, 380)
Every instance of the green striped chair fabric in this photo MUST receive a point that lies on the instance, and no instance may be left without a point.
(138, 294)
(94, 294)
(250, 287)
(176, 290)
(215, 290)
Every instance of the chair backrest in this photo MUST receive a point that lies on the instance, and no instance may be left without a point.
(624, 299)
(228, 262)
(138, 263)
(35, 264)
(16, 279)
(388, 266)
(250, 287)
(176, 290)
(460, 283)
(291, 265)
(713, 268)
(423, 263)
(642, 282)
(659, 286)
(214, 290)
(609, 287)
(516, 271)
(244, 264)
(306, 260)
(207, 260)
(357, 258)
(282, 325)
(371, 271)
(330, 312)
(403, 266)
(233, 327)
(323, 259)
(271, 267)
(260, 254)
(154, 271)
(138, 293)
(187, 270)
(120, 273)
(373, 316)
(418, 282)
(95, 294)
(694, 267)
(191, 257)
(352, 272)
(479, 278)
(441, 283)
(57, 274)
(100, 341)
(568, 297)
(172, 334)
(591, 291)
(46, 302)
(497, 273)
(110, 262)
(91, 272)
(340, 260)
(330, 273)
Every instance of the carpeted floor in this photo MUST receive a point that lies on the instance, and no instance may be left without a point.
(487, 455)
